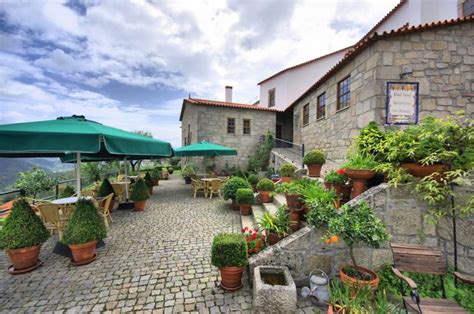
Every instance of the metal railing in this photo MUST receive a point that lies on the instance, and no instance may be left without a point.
(291, 150)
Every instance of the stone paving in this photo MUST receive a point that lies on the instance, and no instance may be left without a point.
(156, 261)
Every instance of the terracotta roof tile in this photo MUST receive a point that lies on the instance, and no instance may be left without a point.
(375, 37)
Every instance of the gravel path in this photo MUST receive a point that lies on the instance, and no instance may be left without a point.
(155, 261)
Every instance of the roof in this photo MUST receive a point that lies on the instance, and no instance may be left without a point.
(216, 103)
(304, 63)
(358, 48)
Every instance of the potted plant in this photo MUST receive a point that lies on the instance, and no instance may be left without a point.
(105, 189)
(245, 199)
(21, 237)
(292, 193)
(316, 198)
(253, 180)
(314, 160)
(164, 173)
(170, 169)
(229, 254)
(149, 182)
(156, 175)
(230, 189)
(354, 225)
(68, 191)
(83, 231)
(139, 195)
(187, 172)
(359, 168)
(255, 240)
(336, 179)
(286, 172)
(265, 187)
(276, 226)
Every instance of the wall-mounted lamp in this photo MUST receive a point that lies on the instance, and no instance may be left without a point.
(406, 71)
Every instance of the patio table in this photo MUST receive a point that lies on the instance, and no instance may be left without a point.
(69, 200)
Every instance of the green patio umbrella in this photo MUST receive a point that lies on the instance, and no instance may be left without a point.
(205, 149)
(77, 135)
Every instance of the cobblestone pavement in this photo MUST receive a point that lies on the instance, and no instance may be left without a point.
(155, 261)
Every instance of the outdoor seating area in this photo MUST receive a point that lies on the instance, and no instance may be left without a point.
(208, 187)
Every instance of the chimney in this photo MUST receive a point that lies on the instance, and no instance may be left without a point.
(228, 93)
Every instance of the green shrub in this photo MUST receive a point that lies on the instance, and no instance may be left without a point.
(105, 188)
(290, 188)
(260, 160)
(265, 185)
(156, 173)
(360, 161)
(244, 196)
(335, 177)
(188, 171)
(148, 180)
(287, 170)
(229, 249)
(22, 228)
(85, 224)
(278, 223)
(314, 157)
(174, 161)
(252, 179)
(232, 185)
(139, 191)
(67, 192)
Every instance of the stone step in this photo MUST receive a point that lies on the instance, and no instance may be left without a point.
(270, 207)
(279, 200)
(247, 221)
(257, 212)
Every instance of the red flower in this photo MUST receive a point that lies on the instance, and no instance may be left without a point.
(254, 236)
(243, 230)
(247, 239)
(341, 171)
(259, 244)
(250, 231)
(250, 251)
(256, 229)
(255, 250)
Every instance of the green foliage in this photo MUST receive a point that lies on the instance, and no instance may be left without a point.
(290, 188)
(156, 173)
(314, 157)
(335, 177)
(287, 170)
(85, 224)
(396, 175)
(429, 286)
(278, 223)
(232, 185)
(320, 203)
(375, 142)
(265, 185)
(261, 159)
(94, 171)
(34, 181)
(252, 179)
(174, 161)
(22, 228)
(188, 171)
(358, 224)
(148, 180)
(67, 192)
(360, 161)
(229, 249)
(244, 196)
(140, 191)
(105, 188)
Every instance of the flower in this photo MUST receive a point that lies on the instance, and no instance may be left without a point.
(249, 251)
(259, 244)
(254, 236)
(334, 238)
(341, 171)
(328, 241)
(243, 230)
(256, 229)
(255, 250)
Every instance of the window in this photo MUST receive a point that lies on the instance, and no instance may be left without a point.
(343, 93)
(468, 7)
(246, 127)
(305, 114)
(231, 125)
(271, 98)
(321, 108)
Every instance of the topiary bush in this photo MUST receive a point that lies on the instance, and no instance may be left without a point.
(265, 185)
(105, 188)
(85, 225)
(252, 179)
(232, 185)
(287, 170)
(140, 191)
(148, 180)
(67, 192)
(314, 157)
(22, 228)
(229, 249)
(244, 196)
(156, 173)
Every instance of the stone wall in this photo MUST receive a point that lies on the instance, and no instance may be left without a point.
(441, 60)
(404, 216)
(210, 124)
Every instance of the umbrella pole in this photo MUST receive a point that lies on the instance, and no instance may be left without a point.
(126, 178)
(78, 174)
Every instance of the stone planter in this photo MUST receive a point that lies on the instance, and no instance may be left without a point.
(274, 290)
(420, 171)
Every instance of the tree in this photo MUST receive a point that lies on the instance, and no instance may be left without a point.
(35, 181)
(137, 163)
(95, 171)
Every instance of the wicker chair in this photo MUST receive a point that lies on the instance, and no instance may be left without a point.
(50, 216)
(198, 186)
(104, 208)
(88, 193)
(215, 188)
(119, 190)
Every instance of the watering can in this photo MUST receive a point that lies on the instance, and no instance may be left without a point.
(318, 286)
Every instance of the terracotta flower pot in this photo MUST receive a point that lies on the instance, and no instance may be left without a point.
(265, 196)
(139, 206)
(293, 200)
(245, 209)
(295, 220)
(327, 185)
(156, 182)
(314, 170)
(150, 190)
(231, 277)
(273, 238)
(420, 171)
(84, 252)
(285, 179)
(345, 278)
(276, 180)
(359, 180)
(24, 258)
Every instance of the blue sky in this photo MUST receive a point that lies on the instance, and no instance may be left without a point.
(130, 64)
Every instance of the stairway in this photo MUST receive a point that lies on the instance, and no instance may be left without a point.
(259, 209)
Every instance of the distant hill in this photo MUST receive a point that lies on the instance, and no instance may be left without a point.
(10, 167)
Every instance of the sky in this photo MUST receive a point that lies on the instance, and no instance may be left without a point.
(129, 64)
